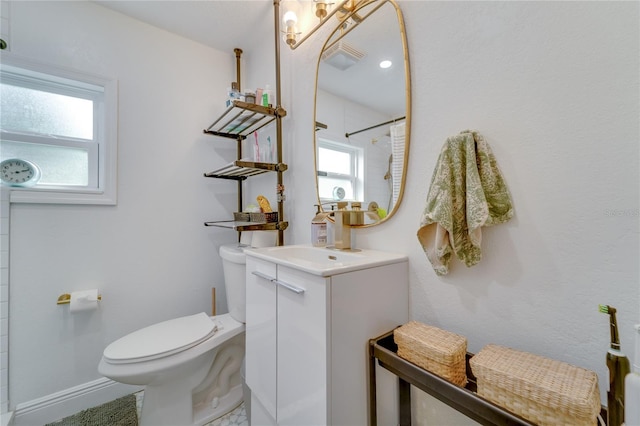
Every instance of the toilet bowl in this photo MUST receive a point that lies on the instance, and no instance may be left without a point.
(190, 366)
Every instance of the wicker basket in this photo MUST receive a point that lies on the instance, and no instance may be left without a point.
(264, 217)
(542, 390)
(241, 216)
(438, 351)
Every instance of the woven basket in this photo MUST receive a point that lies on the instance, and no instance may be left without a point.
(241, 216)
(438, 351)
(541, 390)
(264, 217)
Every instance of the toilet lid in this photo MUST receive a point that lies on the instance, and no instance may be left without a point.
(162, 339)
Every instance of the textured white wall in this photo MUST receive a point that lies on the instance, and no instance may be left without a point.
(150, 256)
(554, 88)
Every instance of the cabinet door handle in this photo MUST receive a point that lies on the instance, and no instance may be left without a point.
(288, 286)
(293, 288)
(263, 276)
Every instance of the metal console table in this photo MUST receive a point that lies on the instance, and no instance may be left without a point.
(465, 400)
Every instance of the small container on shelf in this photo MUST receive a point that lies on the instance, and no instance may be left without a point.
(250, 97)
(264, 217)
(241, 216)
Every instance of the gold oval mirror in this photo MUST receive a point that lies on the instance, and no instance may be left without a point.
(363, 111)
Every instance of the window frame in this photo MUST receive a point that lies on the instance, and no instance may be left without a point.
(102, 153)
(357, 166)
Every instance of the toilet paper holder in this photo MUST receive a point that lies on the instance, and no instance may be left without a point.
(65, 299)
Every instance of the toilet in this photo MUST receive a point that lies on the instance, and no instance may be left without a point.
(190, 366)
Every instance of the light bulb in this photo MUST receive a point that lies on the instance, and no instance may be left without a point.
(290, 19)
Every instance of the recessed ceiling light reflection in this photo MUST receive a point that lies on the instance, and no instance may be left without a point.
(385, 64)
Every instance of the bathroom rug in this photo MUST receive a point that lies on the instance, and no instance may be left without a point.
(120, 412)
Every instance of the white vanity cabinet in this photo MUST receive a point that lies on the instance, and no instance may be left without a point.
(307, 339)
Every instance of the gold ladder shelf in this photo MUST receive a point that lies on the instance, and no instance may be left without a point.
(237, 122)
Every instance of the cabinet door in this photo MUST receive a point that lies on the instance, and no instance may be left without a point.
(302, 348)
(364, 304)
(260, 358)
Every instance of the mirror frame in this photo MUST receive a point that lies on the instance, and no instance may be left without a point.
(407, 77)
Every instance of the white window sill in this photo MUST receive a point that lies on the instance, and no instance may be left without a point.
(34, 195)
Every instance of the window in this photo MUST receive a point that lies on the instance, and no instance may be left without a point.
(339, 166)
(66, 123)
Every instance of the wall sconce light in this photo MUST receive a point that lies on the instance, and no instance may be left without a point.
(290, 20)
(344, 10)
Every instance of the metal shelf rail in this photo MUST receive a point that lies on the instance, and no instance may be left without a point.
(240, 170)
(242, 119)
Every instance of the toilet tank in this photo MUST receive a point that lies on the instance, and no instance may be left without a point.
(233, 266)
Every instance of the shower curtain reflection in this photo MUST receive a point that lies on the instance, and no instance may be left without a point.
(397, 156)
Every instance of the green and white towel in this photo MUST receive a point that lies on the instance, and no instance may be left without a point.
(467, 192)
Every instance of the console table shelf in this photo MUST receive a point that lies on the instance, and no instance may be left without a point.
(464, 400)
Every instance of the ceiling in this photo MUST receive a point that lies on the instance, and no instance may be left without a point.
(224, 25)
(220, 24)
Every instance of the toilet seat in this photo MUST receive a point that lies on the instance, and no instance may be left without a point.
(161, 340)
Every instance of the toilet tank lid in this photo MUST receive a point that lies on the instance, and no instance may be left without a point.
(234, 253)
(162, 339)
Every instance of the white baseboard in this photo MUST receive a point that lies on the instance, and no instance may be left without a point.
(57, 405)
(6, 419)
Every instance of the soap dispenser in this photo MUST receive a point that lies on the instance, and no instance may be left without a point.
(632, 386)
(319, 228)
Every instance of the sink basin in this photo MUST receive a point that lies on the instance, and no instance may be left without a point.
(325, 261)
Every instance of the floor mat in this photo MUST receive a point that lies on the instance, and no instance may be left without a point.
(120, 412)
